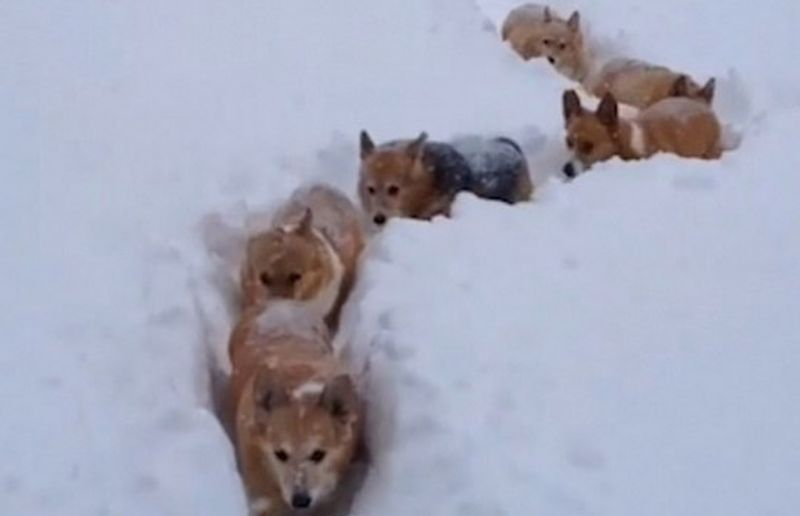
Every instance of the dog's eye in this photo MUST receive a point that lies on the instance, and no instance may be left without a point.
(562, 46)
(317, 457)
(281, 455)
(586, 147)
(265, 279)
(547, 42)
(393, 190)
(294, 277)
(371, 190)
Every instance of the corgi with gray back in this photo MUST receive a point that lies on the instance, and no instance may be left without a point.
(420, 178)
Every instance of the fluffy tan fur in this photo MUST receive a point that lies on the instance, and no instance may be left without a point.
(309, 254)
(640, 84)
(295, 409)
(675, 125)
(531, 28)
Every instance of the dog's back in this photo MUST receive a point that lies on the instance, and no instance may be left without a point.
(683, 126)
(334, 215)
(497, 168)
(281, 328)
(641, 84)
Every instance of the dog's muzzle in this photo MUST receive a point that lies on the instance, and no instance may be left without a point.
(572, 169)
(301, 501)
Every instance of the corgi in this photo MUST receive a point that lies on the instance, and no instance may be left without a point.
(681, 126)
(530, 28)
(420, 178)
(309, 254)
(640, 84)
(297, 415)
(632, 82)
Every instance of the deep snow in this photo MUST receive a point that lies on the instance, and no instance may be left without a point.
(626, 345)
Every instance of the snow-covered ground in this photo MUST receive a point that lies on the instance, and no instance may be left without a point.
(629, 344)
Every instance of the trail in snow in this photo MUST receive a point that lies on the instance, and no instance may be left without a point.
(624, 345)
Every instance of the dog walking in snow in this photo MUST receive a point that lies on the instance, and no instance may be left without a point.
(531, 29)
(420, 178)
(676, 125)
(309, 254)
(297, 414)
(534, 30)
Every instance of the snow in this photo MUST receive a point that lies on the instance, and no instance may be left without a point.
(288, 317)
(308, 389)
(626, 345)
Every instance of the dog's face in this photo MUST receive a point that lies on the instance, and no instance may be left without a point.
(306, 438)
(288, 263)
(563, 46)
(393, 182)
(591, 136)
(686, 87)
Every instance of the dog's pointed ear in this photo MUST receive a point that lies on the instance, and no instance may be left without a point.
(707, 92)
(574, 22)
(571, 104)
(415, 148)
(306, 223)
(680, 88)
(268, 395)
(548, 16)
(367, 145)
(339, 398)
(608, 112)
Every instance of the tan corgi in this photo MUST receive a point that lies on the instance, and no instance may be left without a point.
(420, 178)
(640, 84)
(297, 415)
(309, 254)
(676, 125)
(530, 28)
(632, 82)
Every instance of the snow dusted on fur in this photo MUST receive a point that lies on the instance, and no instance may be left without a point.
(308, 389)
(333, 212)
(624, 346)
(287, 317)
(495, 163)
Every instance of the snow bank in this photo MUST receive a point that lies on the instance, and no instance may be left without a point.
(643, 361)
(626, 345)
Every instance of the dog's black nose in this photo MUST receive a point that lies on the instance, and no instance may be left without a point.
(569, 171)
(379, 219)
(551, 59)
(301, 501)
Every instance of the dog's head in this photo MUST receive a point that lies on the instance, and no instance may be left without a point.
(592, 136)
(563, 46)
(288, 262)
(394, 180)
(686, 87)
(306, 437)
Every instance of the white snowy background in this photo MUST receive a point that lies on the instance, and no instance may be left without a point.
(627, 345)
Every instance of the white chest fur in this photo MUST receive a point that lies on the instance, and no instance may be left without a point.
(638, 141)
